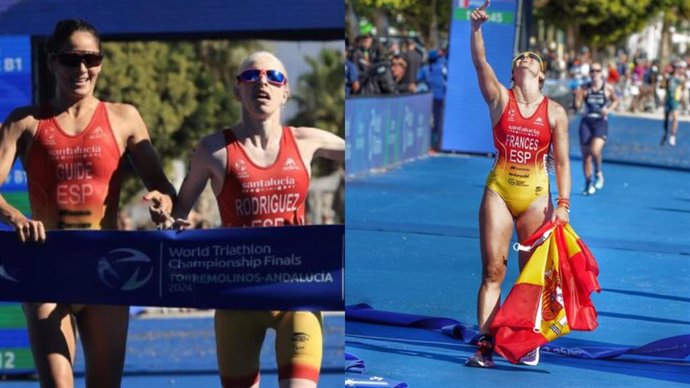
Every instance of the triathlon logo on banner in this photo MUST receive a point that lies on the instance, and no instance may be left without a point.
(125, 269)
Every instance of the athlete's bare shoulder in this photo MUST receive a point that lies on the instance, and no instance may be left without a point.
(127, 124)
(610, 88)
(556, 109)
(213, 142)
(310, 133)
(314, 141)
(211, 148)
(303, 132)
(23, 119)
(557, 113)
(121, 111)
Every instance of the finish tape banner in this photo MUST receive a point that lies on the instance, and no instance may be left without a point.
(283, 268)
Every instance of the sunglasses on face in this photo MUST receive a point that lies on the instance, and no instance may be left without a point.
(530, 55)
(595, 71)
(76, 59)
(274, 77)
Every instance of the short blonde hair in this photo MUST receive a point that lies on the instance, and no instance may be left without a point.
(253, 57)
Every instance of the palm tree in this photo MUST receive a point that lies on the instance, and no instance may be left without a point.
(320, 94)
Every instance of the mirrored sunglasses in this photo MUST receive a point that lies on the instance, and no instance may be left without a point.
(274, 77)
(531, 55)
(76, 59)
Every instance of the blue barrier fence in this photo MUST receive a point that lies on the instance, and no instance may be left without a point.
(385, 131)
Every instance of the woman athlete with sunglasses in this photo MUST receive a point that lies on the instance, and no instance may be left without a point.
(261, 152)
(72, 147)
(599, 99)
(525, 126)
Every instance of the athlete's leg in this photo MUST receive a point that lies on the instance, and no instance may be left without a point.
(597, 148)
(674, 122)
(299, 349)
(239, 336)
(586, 163)
(530, 220)
(495, 231)
(527, 223)
(585, 132)
(53, 342)
(103, 333)
(667, 114)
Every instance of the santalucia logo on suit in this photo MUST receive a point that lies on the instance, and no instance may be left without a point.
(125, 269)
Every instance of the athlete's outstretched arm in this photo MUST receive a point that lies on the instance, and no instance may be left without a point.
(147, 164)
(488, 83)
(614, 99)
(10, 133)
(198, 175)
(561, 158)
(318, 142)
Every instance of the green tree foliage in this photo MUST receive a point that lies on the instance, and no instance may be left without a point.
(598, 23)
(674, 12)
(183, 90)
(320, 96)
(425, 17)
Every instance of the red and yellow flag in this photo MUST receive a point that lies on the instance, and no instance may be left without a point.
(551, 296)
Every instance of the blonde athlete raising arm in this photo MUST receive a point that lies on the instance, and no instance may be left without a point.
(517, 195)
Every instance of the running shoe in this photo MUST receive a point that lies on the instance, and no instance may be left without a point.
(672, 140)
(531, 358)
(599, 184)
(663, 140)
(589, 189)
(483, 357)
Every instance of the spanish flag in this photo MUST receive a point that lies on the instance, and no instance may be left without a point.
(552, 293)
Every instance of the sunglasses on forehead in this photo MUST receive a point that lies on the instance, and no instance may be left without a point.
(75, 59)
(274, 77)
(531, 55)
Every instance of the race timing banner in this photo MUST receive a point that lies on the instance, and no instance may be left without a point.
(282, 268)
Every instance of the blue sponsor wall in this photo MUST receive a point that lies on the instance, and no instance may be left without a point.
(467, 125)
(15, 73)
(15, 91)
(385, 131)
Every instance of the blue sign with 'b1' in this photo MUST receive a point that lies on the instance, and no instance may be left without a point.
(15, 73)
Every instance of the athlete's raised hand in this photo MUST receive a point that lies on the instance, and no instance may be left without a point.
(479, 15)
